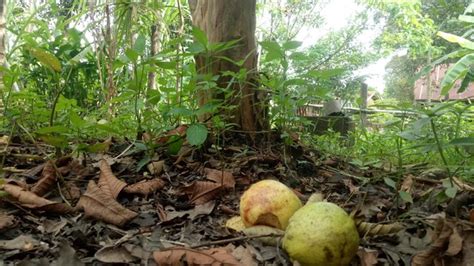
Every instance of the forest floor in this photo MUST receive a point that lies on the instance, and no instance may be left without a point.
(120, 202)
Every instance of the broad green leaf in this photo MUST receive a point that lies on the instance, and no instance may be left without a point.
(139, 45)
(144, 161)
(463, 42)
(466, 18)
(46, 58)
(467, 141)
(132, 55)
(56, 141)
(200, 36)
(390, 182)
(455, 72)
(291, 45)
(76, 120)
(451, 192)
(166, 65)
(53, 129)
(405, 196)
(273, 49)
(196, 134)
(466, 81)
(174, 144)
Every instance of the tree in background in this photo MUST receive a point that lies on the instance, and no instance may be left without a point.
(227, 21)
(412, 25)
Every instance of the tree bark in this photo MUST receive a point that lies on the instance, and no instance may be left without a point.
(224, 21)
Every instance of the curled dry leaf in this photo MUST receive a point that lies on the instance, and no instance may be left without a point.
(100, 205)
(266, 234)
(144, 187)
(374, 229)
(201, 192)
(180, 255)
(108, 182)
(47, 181)
(367, 257)
(407, 184)
(30, 200)
(220, 177)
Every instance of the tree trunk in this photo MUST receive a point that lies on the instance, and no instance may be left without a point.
(224, 21)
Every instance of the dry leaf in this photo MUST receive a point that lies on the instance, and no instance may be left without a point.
(367, 257)
(261, 230)
(144, 187)
(180, 255)
(156, 168)
(7, 221)
(244, 255)
(108, 182)
(455, 243)
(235, 223)
(220, 177)
(100, 205)
(47, 181)
(202, 209)
(407, 184)
(30, 200)
(443, 231)
(374, 229)
(24, 243)
(201, 192)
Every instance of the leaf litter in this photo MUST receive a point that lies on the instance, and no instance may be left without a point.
(104, 207)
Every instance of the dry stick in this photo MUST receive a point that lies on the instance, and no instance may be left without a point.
(230, 240)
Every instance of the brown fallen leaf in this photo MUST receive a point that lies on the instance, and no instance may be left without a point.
(201, 192)
(47, 181)
(7, 221)
(220, 177)
(108, 182)
(24, 243)
(156, 168)
(202, 209)
(443, 231)
(180, 255)
(407, 184)
(144, 187)
(30, 200)
(367, 257)
(101, 205)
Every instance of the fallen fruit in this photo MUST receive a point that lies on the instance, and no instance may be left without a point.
(321, 233)
(268, 202)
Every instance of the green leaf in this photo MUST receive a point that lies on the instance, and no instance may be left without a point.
(139, 45)
(455, 72)
(390, 182)
(132, 55)
(46, 58)
(53, 129)
(451, 192)
(76, 120)
(144, 161)
(467, 141)
(327, 73)
(291, 45)
(200, 36)
(463, 42)
(196, 134)
(56, 141)
(466, 18)
(405, 196)
(175, 143)
(273, 49)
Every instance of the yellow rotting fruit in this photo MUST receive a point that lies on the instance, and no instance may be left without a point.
(268, 202)
(321, 233)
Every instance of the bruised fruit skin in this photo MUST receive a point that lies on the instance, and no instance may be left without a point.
(268, 202)
(321, 233)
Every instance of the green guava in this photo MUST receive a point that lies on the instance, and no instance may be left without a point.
(321, 233)
(268, 202)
